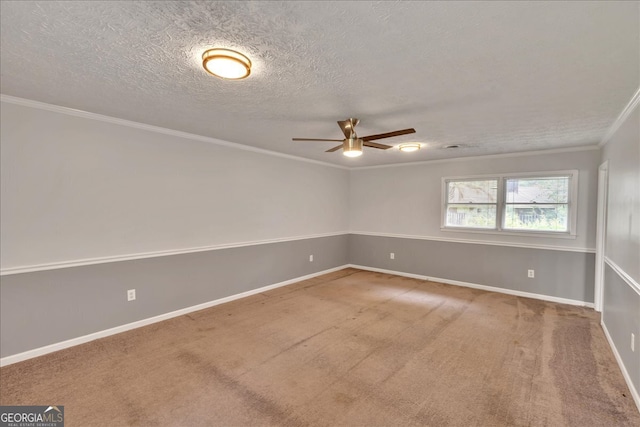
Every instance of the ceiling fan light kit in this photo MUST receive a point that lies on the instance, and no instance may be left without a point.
(408, 148)
(352, 145)
(226, 64)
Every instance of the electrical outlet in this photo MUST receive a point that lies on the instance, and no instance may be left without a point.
(633, 342)
(310, 258)
(531, 274)
(392, 255)
(131, 294)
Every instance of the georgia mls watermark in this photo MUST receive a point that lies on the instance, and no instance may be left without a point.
(32, 416)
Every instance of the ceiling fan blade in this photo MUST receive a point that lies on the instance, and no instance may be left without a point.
(348, 126)
(336, 148)
(315, 139)
(376, 145)
(389, 134)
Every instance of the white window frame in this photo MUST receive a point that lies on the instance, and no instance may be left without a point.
(572, 204)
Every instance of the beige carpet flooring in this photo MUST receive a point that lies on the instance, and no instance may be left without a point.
(351, 348)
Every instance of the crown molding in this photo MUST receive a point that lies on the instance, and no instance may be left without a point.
(633, 103)
(157, 129)
(194, 137)
(486, 156)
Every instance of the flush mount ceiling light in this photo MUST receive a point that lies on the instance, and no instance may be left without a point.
(226, 64)
(352, 147)
(407, 148)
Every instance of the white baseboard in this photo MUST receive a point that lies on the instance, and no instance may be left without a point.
(625, 374)
(476, 286)
(8, 360)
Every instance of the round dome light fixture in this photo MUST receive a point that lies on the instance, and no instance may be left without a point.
(412, 146)
(353, 153)
(226, 64)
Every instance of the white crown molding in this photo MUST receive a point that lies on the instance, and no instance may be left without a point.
(477, 286)
(157, 129)
(108, 119)
(482, 157)
(623, 275)
(628, 109)
(625, 373)
(143, 255)
(8, 360)
(478, 242)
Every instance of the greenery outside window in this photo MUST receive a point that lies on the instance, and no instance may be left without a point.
(541, 203)
(472, 203)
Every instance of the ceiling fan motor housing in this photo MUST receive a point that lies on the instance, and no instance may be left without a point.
(352, 147)
(352, 144)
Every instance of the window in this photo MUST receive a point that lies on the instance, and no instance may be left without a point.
(472, 203)
(537, 204)
(534, 203)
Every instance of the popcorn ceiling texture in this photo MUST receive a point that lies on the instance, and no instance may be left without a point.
(494, 77)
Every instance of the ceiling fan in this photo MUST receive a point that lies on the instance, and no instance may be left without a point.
(352, 144)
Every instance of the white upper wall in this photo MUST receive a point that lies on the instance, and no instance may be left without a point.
(74, 188)
(406, 200)
(623, 215)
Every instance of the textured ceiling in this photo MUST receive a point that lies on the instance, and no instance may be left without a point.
(493, 77)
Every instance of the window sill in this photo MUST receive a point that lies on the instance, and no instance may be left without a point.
(511, 233)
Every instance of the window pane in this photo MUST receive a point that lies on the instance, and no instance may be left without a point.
(472, 191)
(538, 190)
(536, 217)
(476, 216)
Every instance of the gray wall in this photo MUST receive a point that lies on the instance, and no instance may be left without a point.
(623, 213)
(76, 188)
(621, 311)
(51, 306)
(562, 274)
(621, 315)
(406, 199)
(398, 209)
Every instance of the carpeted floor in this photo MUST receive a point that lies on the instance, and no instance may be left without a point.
(351, 348)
